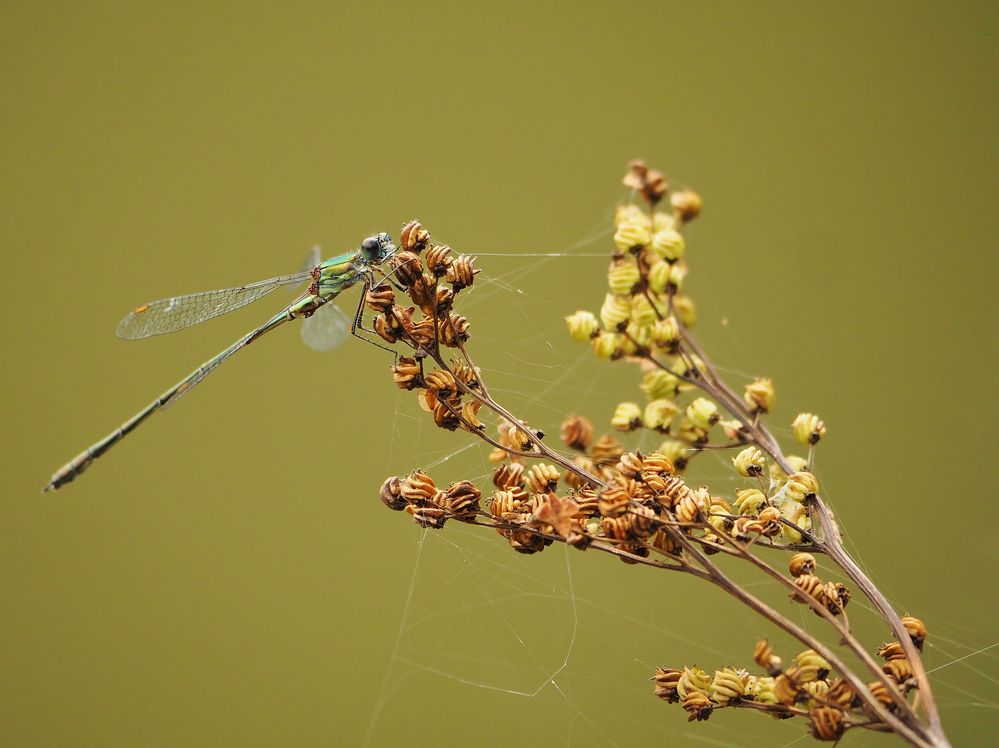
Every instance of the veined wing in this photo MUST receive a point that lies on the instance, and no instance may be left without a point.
(178, 312)
(327, 329)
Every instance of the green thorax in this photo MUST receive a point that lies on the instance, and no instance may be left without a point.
(338, 273)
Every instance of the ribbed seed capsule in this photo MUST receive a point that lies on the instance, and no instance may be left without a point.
(462, 499)
(807, 428)
(656, 462)
(659, 413)
(666, 680)
(728, 684)
(615, 312)
(623, 276)
(643, 315)
(643, 521)
(666, 333)
(631, 464)
(388, 328)
(428, 515)
(669, 245)
(406, 373)
(417, 486)
(763, 655)
(659, 384)
(631, 213)
(693, 679)
(812, 586)
(379, 299)
(693, 506)
(587, 501)
(787, 688)
(423, 293)
(659, 275)
(801, 564)
(577, 432)
(749, 462)
(541, 478)
(407, 267)
(675, 491)
(899, 670)
(413, 237)
(840, 692)
(770, 519)
(800, 486)
(508, 474)
(882, 693)
(837, 597)
(763, 690)
(439, 259)
(446, 415)
(422, 332)
(749, 501)
(760, 395)
(697, 705)
(470, 416)
(606, 450)
(809, 658)
(917, 630)
(461, 272)
(582, 325)
(632, 235)
(687, 205)
(614, 501)
(574, 480)
(827, 723)
(391, 494)
(506, 504)
(684, 309)
(453, 330)
(441, 383)
(891, 651)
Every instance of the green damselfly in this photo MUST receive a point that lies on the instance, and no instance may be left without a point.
(324, 326)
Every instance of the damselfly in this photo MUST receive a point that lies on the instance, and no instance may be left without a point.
(324, 326)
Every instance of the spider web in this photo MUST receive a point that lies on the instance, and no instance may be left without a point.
(558, 638)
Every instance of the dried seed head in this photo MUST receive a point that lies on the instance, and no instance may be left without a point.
(453, 330)
(801, 563)
(697, 705)
(812, 586)
(676, 452)
(446, 415)
(615, 312)
(900, 671)
(407, 267)
(649, 182)
(644, 521)
(406, 373)
(614, 500)
(787, 687)
(684, 309)
(800, 486)
(388, 327)
(631, 464)
(422, 333)
(763, 655)
(728, 684)
(461, 272)
(686, 204)
(748, 501)
(391, 494)
(659, 384)
(882, 693)
(770, 519)
(413, 237)
(643, 317)
(441, 383)
(664, 542)
(587, 501)
(891, 651)
(525, 541)
(623, 276)
(674, 491)
(380, 298)
(668, 245)
(827, 723)
(630, 213)
(917, 630)
(749, 462)
(465, 373)
(606, 450)
(666, 680)
(693, 506)
(627, 417)
(513, 436)
(659, 274)
(657, 463)
(508, 475)
(573, 480)
(582, 326)
(423, 292)
(417, 487)
(809, 658)
(797, 515)
(760, 395)
(429, 515)
(445, 300)
(837, 597)
(666, 333)
(470, 417)
(577, 433)
(541, 478)
(462, 499)
(703, 413)
(508, 504)
(632, 236)
(840, 692)
(807, 428)
(439, 259)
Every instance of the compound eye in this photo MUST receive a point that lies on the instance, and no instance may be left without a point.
(369, 245)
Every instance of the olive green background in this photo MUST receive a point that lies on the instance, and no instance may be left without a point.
(228, 577)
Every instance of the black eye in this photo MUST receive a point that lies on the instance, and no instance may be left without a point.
(369, 245)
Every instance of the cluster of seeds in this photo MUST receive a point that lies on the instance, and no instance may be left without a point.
(808, 687)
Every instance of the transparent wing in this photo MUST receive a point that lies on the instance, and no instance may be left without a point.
(326, 329)
(178, 312)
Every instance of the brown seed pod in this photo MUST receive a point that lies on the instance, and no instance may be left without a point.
(686, 204)
(423, 292)
(606, 450)
(917, 630)
(666, 680)
(429, 515)
(812, 586)
(413, 237)
(445, 299)
(577, 481)
(417, 487)
(841, 693)
(801, 563)
(689, 508)
(462, 499)
(837, 597)
(577, 433)
(899, 670)
(697, 705)
(675, 491)
(614, 500)
(770, 520)
(441, 383)
(380, 299)
(388, 327)
(453, 330)
(644, 521)
(461, 272)
(763, 655)
(406, 373)
(664, 542)
(827, 723)
(446, 415)
(421, 333)
(465, 373)
(391, 494)
(630, 465)
(439, 259)
(406, 267)
(882, 693)
(508, 474)
(657, 463)
(891, 651)
(470, 416)
(587, 500)
(541, 478)
(524, 541)
(508, 504)
(787, 686)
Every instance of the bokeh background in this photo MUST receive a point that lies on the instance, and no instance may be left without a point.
(228, 577)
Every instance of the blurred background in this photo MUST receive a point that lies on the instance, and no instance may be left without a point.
(227, 575)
